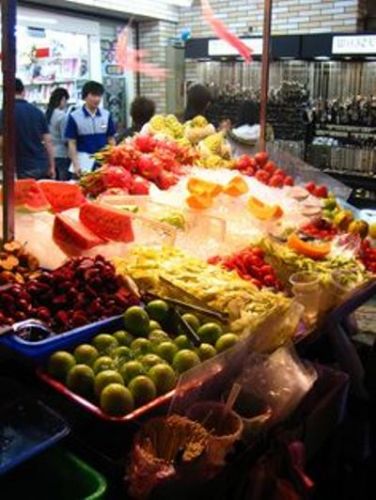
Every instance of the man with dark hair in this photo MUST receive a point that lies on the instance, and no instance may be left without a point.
(142, 110)
(34, 149)
(88, 129)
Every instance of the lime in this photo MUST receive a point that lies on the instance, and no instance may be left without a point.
(122, 354)
(163, 377)
(209, 333)
(206, 351)
(184, 360)
(105, 378)
(192, 320)
(116, 400)
(150, 360)
(103, 363)
(167, 351)
(154, 325)
(123, 337)
(158, 336)
(183, 342)
(158, 310)
(226, 341)
(85, 354)
(105, 343)
(142, 389)
(141, 346)
(136, 321)
(130, 370)
(81, 380)
(60, 363)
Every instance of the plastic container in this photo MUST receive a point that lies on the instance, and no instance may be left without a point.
(27, 426)
(42, 349)
(56, 475)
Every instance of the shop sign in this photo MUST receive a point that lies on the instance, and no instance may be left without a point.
(222, 48)
(357, 44)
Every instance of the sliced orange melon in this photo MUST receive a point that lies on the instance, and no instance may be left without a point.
(202, 187)
(309, 249)
(263, 211)
(236, 187)
(199, 201)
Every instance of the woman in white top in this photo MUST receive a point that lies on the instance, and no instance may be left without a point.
(56, 118)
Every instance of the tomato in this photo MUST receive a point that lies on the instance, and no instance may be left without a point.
(261, 158)
(310, 187)
(320, 191)
(289, 181)
(276, 181)
(270, 167)
(243, 162)
(262, 176)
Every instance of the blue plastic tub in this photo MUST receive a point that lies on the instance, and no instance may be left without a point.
(39, 351)
(27, 426)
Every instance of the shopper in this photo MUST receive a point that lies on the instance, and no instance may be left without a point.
(142, 110)
(56, 116)
(198, 99)
(34, 148)
(89, 128)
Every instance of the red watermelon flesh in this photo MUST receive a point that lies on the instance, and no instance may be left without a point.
(62, 195)
(72, 236)
(107, 222)
(29, 196)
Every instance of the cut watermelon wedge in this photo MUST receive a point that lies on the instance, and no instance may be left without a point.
(28, 196)
(72, 236)
(107, 222)
(62, 195)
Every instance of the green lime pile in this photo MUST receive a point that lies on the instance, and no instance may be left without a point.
(127, 369)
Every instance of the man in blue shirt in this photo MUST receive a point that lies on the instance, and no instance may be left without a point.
(88, 129)
(34, 149)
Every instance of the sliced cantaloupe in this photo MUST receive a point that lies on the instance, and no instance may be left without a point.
(199, 201)
(315, 251)
(236, 187)
(201, 187)
(263, 211)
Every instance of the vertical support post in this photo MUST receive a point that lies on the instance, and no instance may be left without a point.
(268, 5)
(8, 50)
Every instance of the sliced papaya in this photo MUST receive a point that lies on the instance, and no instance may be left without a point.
(263, 211)
(62, 195)
(199, 201)
(236, 187)
(72, 236)
(202, 187)
(315, 251)
(107, 222)
(28, 196)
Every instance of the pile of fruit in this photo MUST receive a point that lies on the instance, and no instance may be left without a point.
(321, 229)
(17, 265)
(264, 170)
(250, 265)
(81, 291)
(131, 166)
(368, 255)
(131, 367)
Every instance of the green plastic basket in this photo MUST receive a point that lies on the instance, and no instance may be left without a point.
(56, 475)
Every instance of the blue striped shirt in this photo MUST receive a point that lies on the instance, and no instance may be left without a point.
(91, 132)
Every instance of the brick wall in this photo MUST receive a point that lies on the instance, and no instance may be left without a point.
(154, 37)
(289, 16)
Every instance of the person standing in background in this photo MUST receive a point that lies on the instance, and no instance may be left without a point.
(89, 129)
(142, 110)
(56, 117)
(34, 148)
(198, 99)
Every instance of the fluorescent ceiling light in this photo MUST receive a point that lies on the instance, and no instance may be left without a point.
(322, 58)
(43, 20)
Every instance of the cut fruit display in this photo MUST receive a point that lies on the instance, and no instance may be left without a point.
(29, 196)
(263, 211)
(236, 187)
(107, 222)
(202, 187)
(62, 195)
(72, 236)
(309, 249)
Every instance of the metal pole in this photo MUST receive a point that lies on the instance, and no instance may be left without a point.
(268, 5)
(8, 49)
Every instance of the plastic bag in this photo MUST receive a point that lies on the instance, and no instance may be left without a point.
(280, 380)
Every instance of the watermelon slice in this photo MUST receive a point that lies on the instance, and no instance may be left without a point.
(28, 196)
(62, 195)
(72, 236)
(107, 222)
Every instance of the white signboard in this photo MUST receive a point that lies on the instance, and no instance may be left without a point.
(357, 44)
(222, 48)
